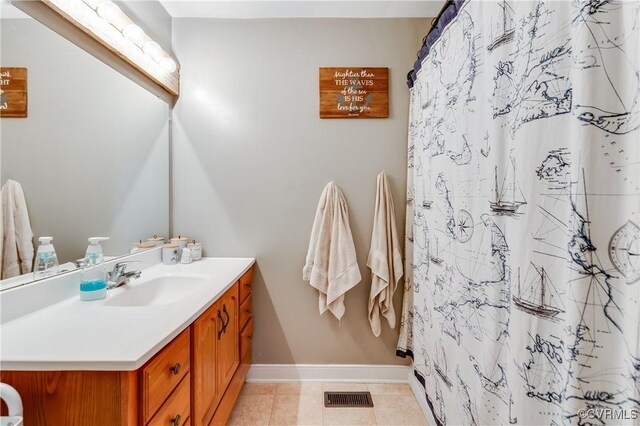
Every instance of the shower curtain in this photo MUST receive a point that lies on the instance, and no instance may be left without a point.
(522, 297)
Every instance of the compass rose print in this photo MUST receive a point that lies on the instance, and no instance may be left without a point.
(464, 226)
(624, 251)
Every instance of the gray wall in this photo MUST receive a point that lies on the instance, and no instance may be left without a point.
(251, 157)
(93, 154)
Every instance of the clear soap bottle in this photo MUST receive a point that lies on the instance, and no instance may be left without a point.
(93, 285)
(46, 260)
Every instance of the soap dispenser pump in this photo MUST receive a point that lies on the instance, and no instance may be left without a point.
(46, 260)
(93, 285)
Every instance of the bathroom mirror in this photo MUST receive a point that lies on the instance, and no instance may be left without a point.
(92, 154)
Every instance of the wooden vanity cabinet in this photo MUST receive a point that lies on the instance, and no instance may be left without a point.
(165, 382)
(216, 354)
(193, 380)
(219, 346)
(246, 319)
(204, 384)
(241, 359)
(228, 344)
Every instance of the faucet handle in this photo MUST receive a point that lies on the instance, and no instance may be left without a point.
(120, 267)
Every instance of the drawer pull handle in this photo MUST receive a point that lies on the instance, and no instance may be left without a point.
(248, 310)
(176, 369)
(176, 420)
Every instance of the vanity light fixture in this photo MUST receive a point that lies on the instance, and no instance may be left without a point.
(109, 25)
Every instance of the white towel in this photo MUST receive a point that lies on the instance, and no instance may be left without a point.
(16, 249)
(385, 259)
(331, 265)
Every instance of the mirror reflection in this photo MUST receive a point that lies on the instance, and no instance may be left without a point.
(89, 159)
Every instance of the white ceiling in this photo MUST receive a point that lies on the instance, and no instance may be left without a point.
(302, 8)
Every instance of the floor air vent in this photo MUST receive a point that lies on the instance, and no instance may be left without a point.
(347, 399)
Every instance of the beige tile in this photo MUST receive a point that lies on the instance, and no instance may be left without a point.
(300, 388)
(389, 389)
(344, 387)
(297, 410)
(252, 410)
(349, 416)
(259, 388)
(398, 410)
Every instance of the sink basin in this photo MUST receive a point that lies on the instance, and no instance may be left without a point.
(158, 291)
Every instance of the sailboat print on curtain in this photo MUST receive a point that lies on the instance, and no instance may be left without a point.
(440, 366)
(538, 296)
(434, 255)
(522, 302)
(506, 28)
(508, 197)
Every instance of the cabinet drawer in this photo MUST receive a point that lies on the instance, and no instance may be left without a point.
(175, 411)
(245, 284)
(246, 337)
(163, 373)
(245, 312)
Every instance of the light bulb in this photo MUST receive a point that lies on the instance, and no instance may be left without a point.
(121, 43)
(94, 4)
(81, 12)
(149, 64)
(153, 49)
(137, 56)
(168, 65)
(91, 20)
(110, 12)
(64, 5)
(135, 34)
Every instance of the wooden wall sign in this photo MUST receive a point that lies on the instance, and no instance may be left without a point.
(354, 92)
(13, 92)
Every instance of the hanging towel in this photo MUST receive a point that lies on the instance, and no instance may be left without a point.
(331, 265)
(385, 259)
(16, 248)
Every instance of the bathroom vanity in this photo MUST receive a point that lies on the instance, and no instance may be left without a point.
(172, 348)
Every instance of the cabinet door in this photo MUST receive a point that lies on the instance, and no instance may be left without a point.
(228, 350)
(205, 392)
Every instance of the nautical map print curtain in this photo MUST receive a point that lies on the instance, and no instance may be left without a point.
(522, 305)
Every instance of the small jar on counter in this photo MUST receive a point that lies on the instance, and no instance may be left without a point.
(140, 246)
(170, 254)
(185, 257)
(180, 241)
(196, 250)
(156, 240)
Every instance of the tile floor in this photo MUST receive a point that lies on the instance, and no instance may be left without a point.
(302, 404)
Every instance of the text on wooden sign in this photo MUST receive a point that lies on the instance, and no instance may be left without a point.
(354, 92)
(13, 92)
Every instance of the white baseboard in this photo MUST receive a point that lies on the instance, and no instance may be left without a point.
(418, 392)
(328, 373)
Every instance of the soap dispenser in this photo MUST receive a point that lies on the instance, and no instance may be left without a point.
(46, 260)
(93, 285)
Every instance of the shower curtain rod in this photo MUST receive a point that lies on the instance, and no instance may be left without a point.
(434, 21)
(424, 50)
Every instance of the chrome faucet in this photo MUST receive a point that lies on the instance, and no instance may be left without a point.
(118, 277)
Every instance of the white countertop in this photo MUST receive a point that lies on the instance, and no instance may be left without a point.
(77, 335)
